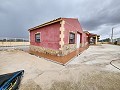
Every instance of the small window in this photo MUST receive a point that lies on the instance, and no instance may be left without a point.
(37, 37)
(71, 38)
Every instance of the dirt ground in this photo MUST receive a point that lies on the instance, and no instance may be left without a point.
(89, 71)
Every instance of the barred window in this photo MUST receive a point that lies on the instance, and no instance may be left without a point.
(71, 38)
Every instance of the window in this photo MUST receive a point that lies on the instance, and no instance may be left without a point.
(71, 38)
(37, 37)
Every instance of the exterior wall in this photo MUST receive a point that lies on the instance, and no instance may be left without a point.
(85, 39)
(49, 36)
(72, 25)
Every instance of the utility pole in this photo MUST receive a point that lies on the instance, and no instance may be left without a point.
(112, 36)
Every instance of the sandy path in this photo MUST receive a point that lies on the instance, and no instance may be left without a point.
(89, 71)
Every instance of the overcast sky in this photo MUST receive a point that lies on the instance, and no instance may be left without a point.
(96, 16)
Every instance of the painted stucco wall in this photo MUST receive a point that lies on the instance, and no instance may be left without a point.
(71, 25)
(49, 36)
(84, 39)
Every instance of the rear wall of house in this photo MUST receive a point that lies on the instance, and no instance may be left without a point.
(49, 36)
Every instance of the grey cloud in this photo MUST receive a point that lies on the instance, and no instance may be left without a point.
(107, 14)
(17, 16)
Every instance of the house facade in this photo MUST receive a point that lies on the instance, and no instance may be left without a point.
(59, 37)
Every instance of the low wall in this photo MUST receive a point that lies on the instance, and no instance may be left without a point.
(13, 43)
(44, 50)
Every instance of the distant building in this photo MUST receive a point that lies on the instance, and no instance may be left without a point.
(60, 37)
(116, 41)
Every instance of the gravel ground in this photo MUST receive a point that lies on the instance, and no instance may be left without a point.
(89, 71)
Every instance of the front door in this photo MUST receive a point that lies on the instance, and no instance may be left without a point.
(78, 40)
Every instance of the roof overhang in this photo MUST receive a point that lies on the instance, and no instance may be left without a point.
(45, 24)
(93, 35)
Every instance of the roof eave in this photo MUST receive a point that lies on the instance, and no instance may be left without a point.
(45, 24)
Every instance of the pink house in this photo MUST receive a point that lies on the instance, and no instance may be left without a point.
(59, 37)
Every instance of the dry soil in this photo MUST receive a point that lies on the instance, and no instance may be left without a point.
(89, 71)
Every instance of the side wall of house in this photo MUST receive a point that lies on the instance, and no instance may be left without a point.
(71, 25)
(49, 36)
(85, 39)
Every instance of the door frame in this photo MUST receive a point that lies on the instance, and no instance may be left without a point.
(78, 40)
